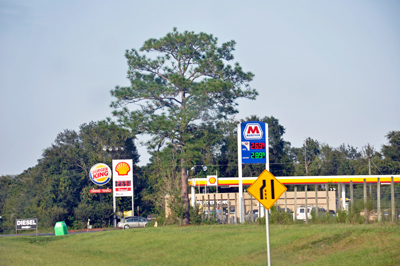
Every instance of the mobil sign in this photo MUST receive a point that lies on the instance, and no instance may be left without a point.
(253, 137)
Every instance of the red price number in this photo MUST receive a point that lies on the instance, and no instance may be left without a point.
(257, 146)
(122, 183)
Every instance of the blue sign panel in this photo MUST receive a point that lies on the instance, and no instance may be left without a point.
(253, 139)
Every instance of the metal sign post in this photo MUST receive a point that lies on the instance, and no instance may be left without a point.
(267, 190)
(138, 216)
(267, 236)
(240, 176)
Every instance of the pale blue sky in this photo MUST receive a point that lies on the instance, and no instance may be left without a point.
(329, 70)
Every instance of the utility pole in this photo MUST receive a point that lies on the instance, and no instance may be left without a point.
(305, 159)
(369, 165)
(365, 201)
(369, 173)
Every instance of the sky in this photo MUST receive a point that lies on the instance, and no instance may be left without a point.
(329, 70)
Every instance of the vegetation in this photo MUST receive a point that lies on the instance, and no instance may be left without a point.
(300, 244)
(57, 188)
(187, 81)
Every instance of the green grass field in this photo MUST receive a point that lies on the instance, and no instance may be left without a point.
(298, 244)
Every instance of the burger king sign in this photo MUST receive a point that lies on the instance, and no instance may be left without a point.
(100, 174)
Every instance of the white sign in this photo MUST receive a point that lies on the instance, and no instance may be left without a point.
(253, 131)
(122, 182)
(246, 144)
(122, 169)
(123, 178)
(212, 180)
(22, 224)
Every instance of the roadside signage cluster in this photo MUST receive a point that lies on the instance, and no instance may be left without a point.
(254, 142)
(122, 183)
(253, 148)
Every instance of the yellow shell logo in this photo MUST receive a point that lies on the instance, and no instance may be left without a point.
(212, 180)
(122, 168)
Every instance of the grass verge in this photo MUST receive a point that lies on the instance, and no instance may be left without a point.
(297, 244)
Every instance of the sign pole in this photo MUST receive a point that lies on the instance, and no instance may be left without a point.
(133, 199)
(265, 210)
(114, 204)
(267, 190)
(266, 147)
(239, 134)
(268, 244)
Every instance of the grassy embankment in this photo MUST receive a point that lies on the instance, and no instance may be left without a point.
(328, 244)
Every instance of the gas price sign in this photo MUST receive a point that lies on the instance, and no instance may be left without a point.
(253, 141)
(124, 183)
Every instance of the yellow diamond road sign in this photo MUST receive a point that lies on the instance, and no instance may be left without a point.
(266, 189)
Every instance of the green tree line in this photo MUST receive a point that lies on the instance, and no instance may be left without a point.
(57, 188)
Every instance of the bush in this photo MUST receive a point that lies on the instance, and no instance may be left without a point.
(279, 216)
(195, 215)
(161, 220)
(260, 220)
(341, 216)
(354, 216)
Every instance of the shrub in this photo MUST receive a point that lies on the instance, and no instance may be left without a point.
(279, 216)
(195, 215)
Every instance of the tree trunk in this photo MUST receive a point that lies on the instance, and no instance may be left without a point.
(184, 193)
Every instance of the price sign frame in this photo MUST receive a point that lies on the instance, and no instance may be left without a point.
(254, 138)
(122, 182)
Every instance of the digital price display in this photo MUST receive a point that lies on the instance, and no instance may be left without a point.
(123, 186)
(125, 183)
(257, 155)
(253, 139)
(257, 146)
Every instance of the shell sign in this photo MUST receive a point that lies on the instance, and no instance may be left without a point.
(100, 174)
(122, 169)
(123, 178)
(212, 180)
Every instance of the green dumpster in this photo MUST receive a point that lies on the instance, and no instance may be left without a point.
(60, 229)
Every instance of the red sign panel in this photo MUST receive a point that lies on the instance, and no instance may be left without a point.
(107, 190)
(120, 189)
